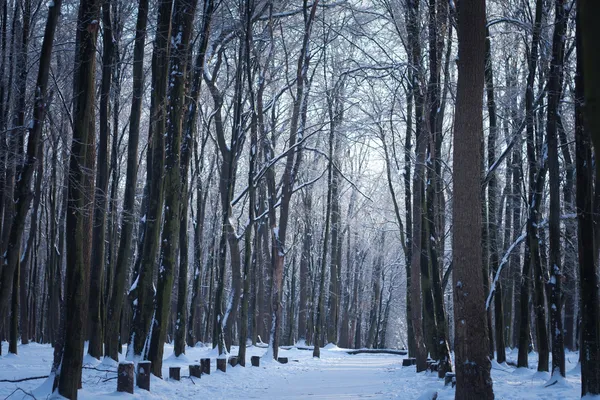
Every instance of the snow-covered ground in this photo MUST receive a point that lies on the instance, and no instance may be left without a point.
(335, 375)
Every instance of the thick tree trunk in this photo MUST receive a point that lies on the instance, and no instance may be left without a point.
(473, 379)
(80, 208)
(587, 116)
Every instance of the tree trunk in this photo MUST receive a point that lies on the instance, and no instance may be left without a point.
(79, 208)
(183, 18)
(587, 126)
(556, 276)
(98, 241)
(111, 337)
(143, 310)
(473, 379)
(493, 226)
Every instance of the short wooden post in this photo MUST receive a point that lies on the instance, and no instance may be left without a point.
(175, 373)
(222, 364)
(233, 361)
(282, 360)
(125, 377)
(195, 370)
(255, 360)
(449, 378)
(407, 362)
(205, 363)
(143, 375)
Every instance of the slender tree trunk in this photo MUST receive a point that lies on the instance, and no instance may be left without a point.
(98, 241)
(526, 277)
(556, 276)
(493, 226)
(143, 310)
(111, 338)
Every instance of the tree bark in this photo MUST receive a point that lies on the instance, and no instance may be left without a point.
(556, 275)
(182, 22)
(587, 127)
(473, 379)
(143, 310)
(115, 307)
(79, 208)
(98, 242)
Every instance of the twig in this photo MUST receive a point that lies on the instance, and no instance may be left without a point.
(17, 389)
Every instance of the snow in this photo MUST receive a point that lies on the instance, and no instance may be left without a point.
(335, 375)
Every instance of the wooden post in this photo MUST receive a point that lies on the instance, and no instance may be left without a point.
(143, 375)
(222, 364)
(282, 360)
(125, 377)
(195, 370)
(407, 362)
(175, 373)
(255, 360)
(205, 363)
(449, 378)
(233, 361)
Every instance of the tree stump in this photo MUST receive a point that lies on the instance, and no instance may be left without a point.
(407, 362)
(233, 361)
(205, 363)
(175, 373)
(450, 378)
(143, 375)
(222, 364)
(282, 360)
(195, 370)
(125, 377)
(255, 360)
(432, 366)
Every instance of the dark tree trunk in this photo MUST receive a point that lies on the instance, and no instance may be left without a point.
(143, 310)
(473, 379)
(79, 208)
(98, 242)
(532, 240)
(587, 127)
(183, 19)
(556, 276)
(492, 225)
(190, 128)
(115, 307)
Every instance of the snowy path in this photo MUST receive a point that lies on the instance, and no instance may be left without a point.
(336, 375)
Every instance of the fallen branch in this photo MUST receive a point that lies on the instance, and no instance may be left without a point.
(22, 379)
(378, 351)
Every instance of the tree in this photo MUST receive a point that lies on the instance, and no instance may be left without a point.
(144, 306)
(115, 304)
(79, 207)
(588, 128)
(473, 379)
(100, 198)
(556, 276)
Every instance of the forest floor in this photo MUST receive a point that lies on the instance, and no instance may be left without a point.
(335, 375)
